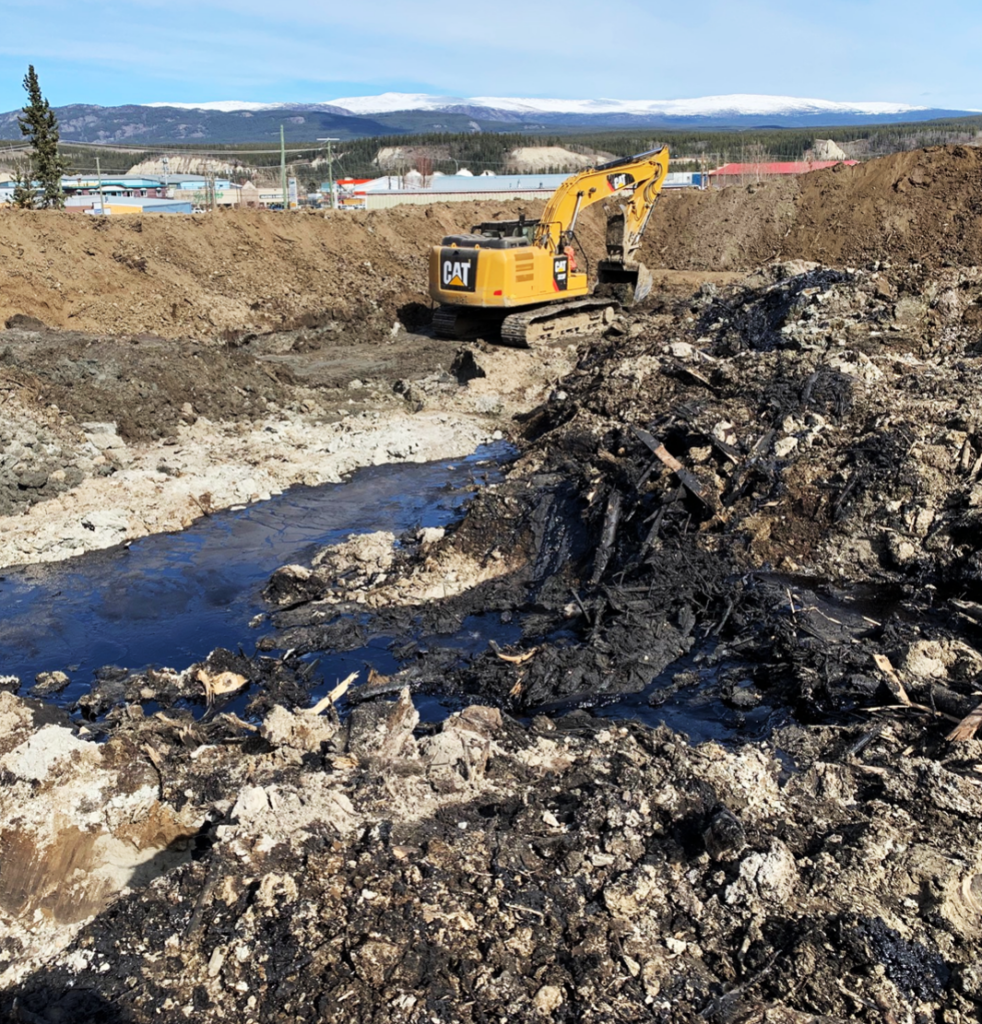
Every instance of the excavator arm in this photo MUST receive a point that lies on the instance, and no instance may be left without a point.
(634, 183)
(632, 186)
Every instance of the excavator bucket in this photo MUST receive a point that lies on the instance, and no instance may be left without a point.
(629, 283)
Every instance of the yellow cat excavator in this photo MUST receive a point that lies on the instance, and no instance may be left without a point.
(520, 277)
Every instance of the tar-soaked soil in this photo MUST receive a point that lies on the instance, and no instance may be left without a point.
(762, 492)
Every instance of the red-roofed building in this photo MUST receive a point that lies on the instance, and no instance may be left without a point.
(730, 173)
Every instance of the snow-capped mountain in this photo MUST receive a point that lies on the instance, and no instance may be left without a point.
(421, 112)
(705, 106)
(235, 106)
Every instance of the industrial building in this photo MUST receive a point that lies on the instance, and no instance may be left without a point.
(395, 190)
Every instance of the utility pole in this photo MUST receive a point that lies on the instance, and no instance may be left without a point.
(330, 170)
(283, 169)
(102, 195)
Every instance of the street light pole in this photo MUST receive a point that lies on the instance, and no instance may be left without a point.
(102, 195)
(286, 201)
(330, 169)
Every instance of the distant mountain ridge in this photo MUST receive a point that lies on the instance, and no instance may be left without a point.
(233, 121)
(734, 105)
(136, 125)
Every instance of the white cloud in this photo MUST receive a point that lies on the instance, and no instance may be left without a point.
(252, 49)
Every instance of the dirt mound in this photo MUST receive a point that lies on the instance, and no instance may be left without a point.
(577, 871)
(524, 159)
(241, 271)
(920, 207)
(735, 228)
(811, 420)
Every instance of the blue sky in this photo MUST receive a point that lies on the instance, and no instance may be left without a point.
(143, 51)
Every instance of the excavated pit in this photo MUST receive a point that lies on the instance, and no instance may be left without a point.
(758, 497)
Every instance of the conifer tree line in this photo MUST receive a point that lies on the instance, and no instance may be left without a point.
(39, 185)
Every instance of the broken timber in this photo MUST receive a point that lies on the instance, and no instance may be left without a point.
(687, 479)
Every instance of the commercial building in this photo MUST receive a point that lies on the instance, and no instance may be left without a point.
(126, 205)
(180, 193)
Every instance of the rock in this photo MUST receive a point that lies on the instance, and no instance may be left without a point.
(547, 1000)
(785, 446)
(353, 564)
(299, 730)
(22, 322)
(103, 436)
(902, 551)
(926, 660)
(290, 584)
(115, 520)
(30, 479)
(910, 309)
(681, 349)
(464, 744)
(46, 684)
(16, 721)
(252, 803)
(383, 730)
(772, 876)
(724, 836)
(465, 366)
(430, 535)
(38, 758)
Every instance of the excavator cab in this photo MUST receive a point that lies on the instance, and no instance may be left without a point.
(496, 234)
(520, 228)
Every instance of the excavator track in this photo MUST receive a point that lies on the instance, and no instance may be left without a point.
(444, 322)
(462, 323)
(539, 326)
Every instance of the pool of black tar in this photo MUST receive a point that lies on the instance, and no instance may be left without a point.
(170, 599)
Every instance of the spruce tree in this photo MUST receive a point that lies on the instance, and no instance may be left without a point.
(40, 125)
(25, 194)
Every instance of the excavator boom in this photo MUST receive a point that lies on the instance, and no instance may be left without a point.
(632, 183)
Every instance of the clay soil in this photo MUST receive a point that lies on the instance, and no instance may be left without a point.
(759, 492)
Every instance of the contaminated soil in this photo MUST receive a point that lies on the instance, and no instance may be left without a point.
(759, 490)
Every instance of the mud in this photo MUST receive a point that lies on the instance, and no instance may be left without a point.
(109, 439)
(761, 494)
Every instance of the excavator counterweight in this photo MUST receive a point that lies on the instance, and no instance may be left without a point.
(519, 280)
